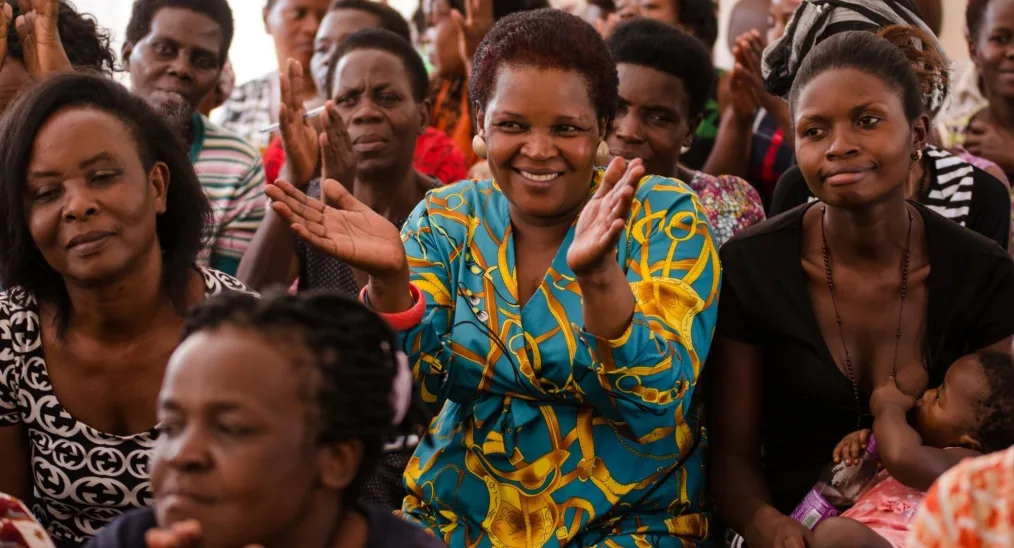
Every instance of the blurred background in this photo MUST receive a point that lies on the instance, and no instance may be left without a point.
(253, 56)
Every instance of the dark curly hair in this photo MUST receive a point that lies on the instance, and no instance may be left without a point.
(389, 17)
(548, 39)
(144, 12)
(383, 40)
(179, 229)
(865, 52)
(354, 363)
(975, 12)
(86, 43)
(649, 43)
(701, 17)
(997, 412)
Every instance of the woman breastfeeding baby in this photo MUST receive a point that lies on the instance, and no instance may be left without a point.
(967, 416)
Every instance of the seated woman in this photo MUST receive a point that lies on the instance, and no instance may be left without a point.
(558, 316)
(274, 456)
(368, 143)
(662, 98)
(858, 287)
(435, 154)
(103, 220)
(943, 182)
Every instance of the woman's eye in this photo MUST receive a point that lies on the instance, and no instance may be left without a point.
(812, 132)
(163, 50)
(869, 121)
(509, 126)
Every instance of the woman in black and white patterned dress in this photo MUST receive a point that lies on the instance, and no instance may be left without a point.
(103, 217)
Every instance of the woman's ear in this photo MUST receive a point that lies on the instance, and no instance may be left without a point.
(480, 123)
(125, 52)
(338, 463)
(973, 48)
(425, 108)
(158, 177)
(920, 132)
(692, 126)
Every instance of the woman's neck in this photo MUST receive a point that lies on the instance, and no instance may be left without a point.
(874, 236)
(122, 308)
(392, 196)
(543, 232)
(324, 523)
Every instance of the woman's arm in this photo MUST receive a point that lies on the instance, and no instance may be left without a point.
(16, 472)
(903, 454)
(733, 398)
(731, 153)
(271, 258)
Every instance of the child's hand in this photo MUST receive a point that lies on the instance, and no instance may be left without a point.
(850, 449)
(889, 395)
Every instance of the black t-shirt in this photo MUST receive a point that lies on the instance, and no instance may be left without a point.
(957, 190)
(807, 402)
(385, 531)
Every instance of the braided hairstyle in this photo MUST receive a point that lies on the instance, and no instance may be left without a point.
(353, 368)
(997, 413)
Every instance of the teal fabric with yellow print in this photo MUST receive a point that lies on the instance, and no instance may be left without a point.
(546, 435)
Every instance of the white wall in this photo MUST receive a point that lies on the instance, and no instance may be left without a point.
(252, 53)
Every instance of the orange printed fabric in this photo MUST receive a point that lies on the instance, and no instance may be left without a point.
(971, 506)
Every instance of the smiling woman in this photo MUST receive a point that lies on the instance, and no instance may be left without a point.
(532, 307)
(98, 250)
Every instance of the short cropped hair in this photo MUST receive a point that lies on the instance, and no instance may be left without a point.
(144, 12)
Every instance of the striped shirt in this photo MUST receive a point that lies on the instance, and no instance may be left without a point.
(232, 174)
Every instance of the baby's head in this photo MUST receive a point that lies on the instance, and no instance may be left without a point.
(973, 408)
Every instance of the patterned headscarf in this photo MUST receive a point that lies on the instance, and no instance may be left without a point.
(815, 20)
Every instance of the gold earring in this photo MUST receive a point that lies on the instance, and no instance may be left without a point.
(602, 154)
(479, 146)
(917, 155)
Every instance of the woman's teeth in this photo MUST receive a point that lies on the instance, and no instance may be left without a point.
(539, 178)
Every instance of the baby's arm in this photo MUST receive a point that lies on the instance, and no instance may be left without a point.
(901, 448)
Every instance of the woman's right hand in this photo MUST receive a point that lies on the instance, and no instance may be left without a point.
(344, 229)
(780, 532)
(299, 138)
(6, 13)
(850, 449)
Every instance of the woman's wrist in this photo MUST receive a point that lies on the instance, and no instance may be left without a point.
(390, 294)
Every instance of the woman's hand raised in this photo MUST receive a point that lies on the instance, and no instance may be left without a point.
(346, 229)
(6, 13)
(40, 37)
(299, 138)
(602, 220)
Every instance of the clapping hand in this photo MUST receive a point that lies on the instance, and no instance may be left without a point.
(993, 143)
(186, 534)
(602, 220)
(346, 229)
(6, 13)
(40, 37)
(473, 26)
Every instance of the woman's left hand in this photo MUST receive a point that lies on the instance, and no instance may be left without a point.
(40, 37)
(185, 534)
(985, 140)
(602, 220)
(889, 395)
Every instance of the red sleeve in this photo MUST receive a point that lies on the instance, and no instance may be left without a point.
(274, 159)
(437, 156)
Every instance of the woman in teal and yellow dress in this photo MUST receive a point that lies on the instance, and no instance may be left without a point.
(557, 316)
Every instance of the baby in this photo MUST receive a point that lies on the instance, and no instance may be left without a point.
(971, 413)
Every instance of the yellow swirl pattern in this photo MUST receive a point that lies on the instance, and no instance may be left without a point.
(547, 436)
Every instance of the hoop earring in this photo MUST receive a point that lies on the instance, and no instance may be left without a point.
(479, 146)
(602, 154)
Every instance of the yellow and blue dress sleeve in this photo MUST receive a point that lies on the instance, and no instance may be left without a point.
(644, 380)
(430, 237)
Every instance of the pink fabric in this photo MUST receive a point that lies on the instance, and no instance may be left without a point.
(887, 509)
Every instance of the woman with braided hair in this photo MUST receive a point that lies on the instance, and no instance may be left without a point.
(272, 413)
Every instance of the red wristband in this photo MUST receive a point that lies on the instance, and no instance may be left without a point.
(401, 321)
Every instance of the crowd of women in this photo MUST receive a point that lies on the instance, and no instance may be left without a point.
(560, 281)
